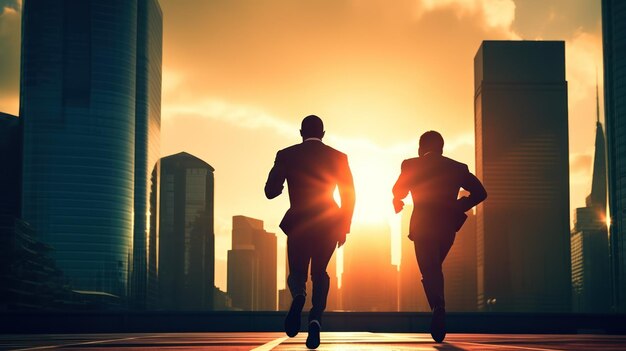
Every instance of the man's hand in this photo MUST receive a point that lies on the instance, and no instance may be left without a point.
(341, 240)
(398, 205)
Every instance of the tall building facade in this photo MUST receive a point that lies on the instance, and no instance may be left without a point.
(591, 288)
(11, 161)
(252, 263)
(147, 152)
(369, 281)
(411, 296)
(614, 46)
(79, 103)
(523, 246)
(186, 252)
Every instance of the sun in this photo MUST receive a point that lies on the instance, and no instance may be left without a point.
(372, 184)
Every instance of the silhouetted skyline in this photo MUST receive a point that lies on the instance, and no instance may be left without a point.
(85, 100)
(208, 96)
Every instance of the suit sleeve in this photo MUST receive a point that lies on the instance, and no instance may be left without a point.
(477, 192)
(345, 184)
(276, 178)
(401, 188)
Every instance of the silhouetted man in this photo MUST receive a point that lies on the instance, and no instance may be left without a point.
(314, 223)
(434, 182)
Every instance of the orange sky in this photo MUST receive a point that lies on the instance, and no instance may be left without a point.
(239, 76)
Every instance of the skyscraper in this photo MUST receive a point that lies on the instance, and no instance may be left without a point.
(614, 46)
(11, 161)
(187, 239)
(411, 294)
(591, 289)
(147, 152)
(252, 264)
(89, 103)
(522, 158)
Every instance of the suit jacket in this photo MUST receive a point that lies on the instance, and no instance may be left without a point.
(434, 182)
(313, 170)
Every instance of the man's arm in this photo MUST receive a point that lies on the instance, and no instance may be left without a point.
(345, 184)
(276, 178)
(477, 192)
(401, 189)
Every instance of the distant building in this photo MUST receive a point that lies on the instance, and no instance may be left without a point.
(187, 238)
(591, 286)
(284, 299)
(521, 124)
(459, 269)
(411, 292)
(252, 264)
(11, 161)
(221, 300)
(90, 110)
(369, 279)
(613, 42)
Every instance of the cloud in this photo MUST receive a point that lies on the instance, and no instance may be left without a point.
(242, 116)
(10, 6)
(584, 63)
(496, 14)
(556, 19)
(580, 164)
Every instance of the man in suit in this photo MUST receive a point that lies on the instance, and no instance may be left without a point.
(434, 182)
(314, 223)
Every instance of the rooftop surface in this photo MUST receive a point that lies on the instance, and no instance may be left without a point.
(330, 341)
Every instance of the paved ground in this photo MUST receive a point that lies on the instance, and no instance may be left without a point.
(330, 341)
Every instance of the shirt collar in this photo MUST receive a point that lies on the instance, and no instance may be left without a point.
(316, 139)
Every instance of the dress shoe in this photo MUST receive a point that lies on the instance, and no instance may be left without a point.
(438, 324)
(313, 340)
(292, 321)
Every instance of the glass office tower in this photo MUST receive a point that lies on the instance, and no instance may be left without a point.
(523, 241)
(187, 239)
(147, 153)
(614, 45)
(87, 96)
(10, 159)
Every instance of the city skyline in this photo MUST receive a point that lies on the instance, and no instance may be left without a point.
(215, 99)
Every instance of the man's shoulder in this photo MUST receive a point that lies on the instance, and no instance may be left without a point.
(411, 162)
(312, 146)
(334, 151)
(433, 161)
(454, 164)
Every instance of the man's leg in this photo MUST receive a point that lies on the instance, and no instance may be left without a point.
(430, 253)
(298, 256)
(322, 252)
(323, 249)
(429, 261)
